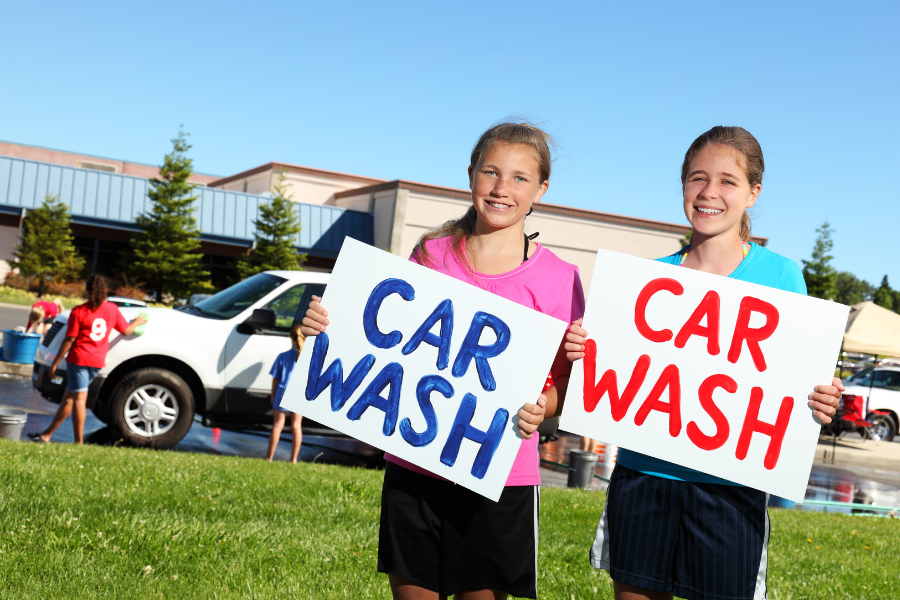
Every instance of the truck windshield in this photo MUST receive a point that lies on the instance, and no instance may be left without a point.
(239, 297)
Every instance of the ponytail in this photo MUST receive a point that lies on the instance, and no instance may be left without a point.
(96, 290)
(458, 229)
(745, 226)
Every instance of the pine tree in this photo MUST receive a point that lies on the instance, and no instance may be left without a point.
(276, 229)
(820, 276)
(884, 295)
(46, 253)
(851, 290)
(164, 253)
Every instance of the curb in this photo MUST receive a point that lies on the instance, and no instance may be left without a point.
(22, 370)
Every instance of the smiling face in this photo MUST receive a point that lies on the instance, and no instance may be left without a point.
(717, 191)
(505, 183)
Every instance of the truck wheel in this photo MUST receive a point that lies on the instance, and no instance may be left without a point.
(101, 410)
(883, 427)
(151, 408)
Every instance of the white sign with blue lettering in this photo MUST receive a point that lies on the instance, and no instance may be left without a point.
(426, 367)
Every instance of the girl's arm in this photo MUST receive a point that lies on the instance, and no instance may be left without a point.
(63, 350)
(550, 403)
(316, 318)
(138, 321)
(272, 395)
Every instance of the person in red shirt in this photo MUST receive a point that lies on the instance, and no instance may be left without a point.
(41, 314)
(50, 310)
(87, 342)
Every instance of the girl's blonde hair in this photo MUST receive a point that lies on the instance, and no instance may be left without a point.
(525, 134)
(741, 140)
(35, 317)
(296, 337)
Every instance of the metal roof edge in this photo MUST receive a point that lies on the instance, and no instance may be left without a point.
(295, 169)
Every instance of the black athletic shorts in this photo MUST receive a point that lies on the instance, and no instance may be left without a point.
(702, 541)
(445, 538)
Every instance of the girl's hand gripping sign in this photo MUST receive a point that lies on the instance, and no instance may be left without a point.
(424, 366)
(704, 371)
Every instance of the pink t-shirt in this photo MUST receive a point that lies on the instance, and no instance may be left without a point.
(544, 283)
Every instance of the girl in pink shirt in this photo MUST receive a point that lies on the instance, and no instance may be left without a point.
(438, 539)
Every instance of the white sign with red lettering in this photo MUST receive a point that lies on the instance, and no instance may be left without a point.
(704, 371)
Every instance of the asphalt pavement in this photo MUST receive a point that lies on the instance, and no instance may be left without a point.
(17, 392)
(12, 315)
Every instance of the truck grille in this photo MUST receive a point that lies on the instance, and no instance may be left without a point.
(54, 329)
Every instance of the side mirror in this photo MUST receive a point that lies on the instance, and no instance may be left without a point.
(260, 319)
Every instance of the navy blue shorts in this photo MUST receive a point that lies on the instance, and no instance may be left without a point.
(702, 541)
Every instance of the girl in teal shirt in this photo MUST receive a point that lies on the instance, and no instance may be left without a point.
(666, 528)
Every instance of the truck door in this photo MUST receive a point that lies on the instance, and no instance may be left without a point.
(248, 384)
(884, 392)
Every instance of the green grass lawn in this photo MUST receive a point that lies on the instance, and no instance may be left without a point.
(103, 522)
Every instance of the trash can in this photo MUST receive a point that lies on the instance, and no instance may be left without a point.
(12, 423)
(610, 453)
(20, 347)
(581, 469)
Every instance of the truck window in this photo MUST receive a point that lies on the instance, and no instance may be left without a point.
(292, 303)
(312, 289)
(887, 379)
(864, 377)
(234, 300)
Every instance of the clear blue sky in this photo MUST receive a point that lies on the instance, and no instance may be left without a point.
(403, 89)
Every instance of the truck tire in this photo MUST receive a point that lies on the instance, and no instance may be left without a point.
(151, 408)
(883, 427)
(101, 410)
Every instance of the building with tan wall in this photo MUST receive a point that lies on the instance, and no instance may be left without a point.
(391, 215)
(87, 161)
(403, 210)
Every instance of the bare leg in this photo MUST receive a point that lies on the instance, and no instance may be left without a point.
(404, 590)
(588, 444)
(296, 436)
(481, 595)
(78, 416)
(62, 413)
(629, 592)
(277, 426)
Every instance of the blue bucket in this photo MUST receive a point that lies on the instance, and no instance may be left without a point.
(20, 347)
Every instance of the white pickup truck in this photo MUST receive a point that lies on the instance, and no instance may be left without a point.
(879, 387)
(211, 359)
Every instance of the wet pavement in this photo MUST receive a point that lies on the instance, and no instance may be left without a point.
(16, 392)
(878, 486)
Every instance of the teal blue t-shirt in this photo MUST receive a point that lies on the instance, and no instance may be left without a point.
(761, 266)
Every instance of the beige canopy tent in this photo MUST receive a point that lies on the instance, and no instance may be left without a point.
(872, 329)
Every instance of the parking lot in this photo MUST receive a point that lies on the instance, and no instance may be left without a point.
(863, 472)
